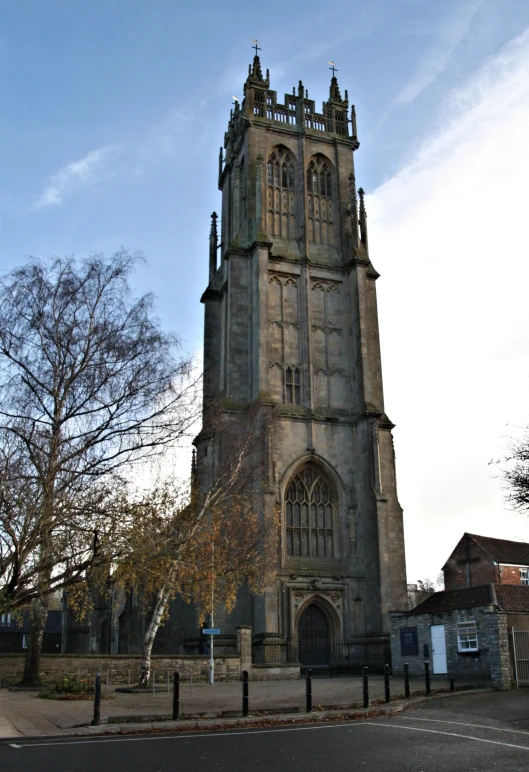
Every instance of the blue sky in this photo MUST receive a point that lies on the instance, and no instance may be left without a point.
(112, 117)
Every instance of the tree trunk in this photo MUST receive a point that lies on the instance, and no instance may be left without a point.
(159, 607)
(39, 615)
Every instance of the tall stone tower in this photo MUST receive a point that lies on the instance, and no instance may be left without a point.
(291, 328)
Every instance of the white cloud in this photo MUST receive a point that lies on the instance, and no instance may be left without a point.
(448, 233)
(438, 55)
(77, 176)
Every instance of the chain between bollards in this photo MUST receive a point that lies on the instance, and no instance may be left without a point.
(176, 695)
(387, 696)
(365, 685)
(308, 691)
(97, 701)
(406, 681)
(245, 692)
(427, 677)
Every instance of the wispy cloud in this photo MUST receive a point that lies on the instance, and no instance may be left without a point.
(448, 233)
(77, 175)
(437, 58)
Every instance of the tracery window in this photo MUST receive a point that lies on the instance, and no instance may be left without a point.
(320, 201)
(309, 509)
(339, 122)
(292, 386)
(281, 220)
(258, 103)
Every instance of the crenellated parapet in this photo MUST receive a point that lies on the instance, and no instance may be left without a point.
(296, 113)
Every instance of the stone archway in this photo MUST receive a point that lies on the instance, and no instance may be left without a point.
(313, 637)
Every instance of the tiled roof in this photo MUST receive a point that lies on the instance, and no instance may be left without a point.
(512, 597)
(502, 550)
(509, 597)
(449, 600)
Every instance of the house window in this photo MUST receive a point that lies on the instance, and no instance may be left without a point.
(467, 637)
(5, 619)
(524, 575)
(309, 508)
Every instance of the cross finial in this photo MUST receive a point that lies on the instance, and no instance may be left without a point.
(256, 46)
(333, 68)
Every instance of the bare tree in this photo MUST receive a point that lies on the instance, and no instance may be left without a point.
(514, 471)
(89, 384)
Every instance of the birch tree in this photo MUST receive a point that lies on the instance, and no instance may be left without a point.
(217, 540)
(89, 384)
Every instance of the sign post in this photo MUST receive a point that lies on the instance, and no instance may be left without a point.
(211, 631)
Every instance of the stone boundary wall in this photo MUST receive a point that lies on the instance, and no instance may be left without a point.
(56, 667)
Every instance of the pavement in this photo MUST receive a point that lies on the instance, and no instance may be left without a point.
(25, 714)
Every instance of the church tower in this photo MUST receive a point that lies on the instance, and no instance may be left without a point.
(291, 330)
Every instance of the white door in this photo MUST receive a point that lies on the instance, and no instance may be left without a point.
(438, 649)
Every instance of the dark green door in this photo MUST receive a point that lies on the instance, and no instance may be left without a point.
(313, 638)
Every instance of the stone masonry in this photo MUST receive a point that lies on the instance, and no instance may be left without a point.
(291, 334)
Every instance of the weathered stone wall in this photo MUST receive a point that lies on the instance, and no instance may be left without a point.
(492, 660)
(55, 667)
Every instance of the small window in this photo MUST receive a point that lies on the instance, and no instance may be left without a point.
(292, 386)
(524, 575)
(5, 619)
(467, 637)
(25, 641)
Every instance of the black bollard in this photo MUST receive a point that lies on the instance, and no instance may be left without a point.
(97, 701)
(387, 696)
(452, 685)
(366, 688)
(308, 692)
(427, 677)
(406, 681)
(245, 692)
(176, 695)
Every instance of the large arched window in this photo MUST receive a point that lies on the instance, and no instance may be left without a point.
(280, 197)
(310, 505)
(320, 201)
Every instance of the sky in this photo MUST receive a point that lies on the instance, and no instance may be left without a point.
(113, 112)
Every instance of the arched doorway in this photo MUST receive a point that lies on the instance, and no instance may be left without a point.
(313, 638)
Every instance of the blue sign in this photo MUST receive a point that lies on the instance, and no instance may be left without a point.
(211, 631)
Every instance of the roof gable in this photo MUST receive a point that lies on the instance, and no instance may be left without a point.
(499, 550)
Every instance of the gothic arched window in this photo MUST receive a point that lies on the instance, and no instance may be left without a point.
(320, 201)
(258, 103)
(280, 198)
(310, 505)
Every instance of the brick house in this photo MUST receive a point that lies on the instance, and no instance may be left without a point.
(479, 560)
(467, 629)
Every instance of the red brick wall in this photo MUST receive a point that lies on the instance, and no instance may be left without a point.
(509, 575)
(482, 571)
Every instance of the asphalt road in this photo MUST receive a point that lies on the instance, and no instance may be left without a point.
(472, 732)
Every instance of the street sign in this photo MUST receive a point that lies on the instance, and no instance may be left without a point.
(211, 631)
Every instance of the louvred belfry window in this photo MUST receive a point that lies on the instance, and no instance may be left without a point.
(281, 195)
(310, 504)
(320, 201)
